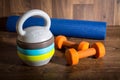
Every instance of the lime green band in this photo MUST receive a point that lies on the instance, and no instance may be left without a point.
(36, 58)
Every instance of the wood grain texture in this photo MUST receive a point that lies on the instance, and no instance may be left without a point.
(104, 10)
(98, 10)
(117, 13)
(19, 6)
(83, 12)
(107, 68)
(45, 5)
(62, 9)
(82, 1)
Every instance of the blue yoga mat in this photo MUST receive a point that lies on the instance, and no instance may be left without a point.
(70, 28)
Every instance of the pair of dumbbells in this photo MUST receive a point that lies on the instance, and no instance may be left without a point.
(78, 51)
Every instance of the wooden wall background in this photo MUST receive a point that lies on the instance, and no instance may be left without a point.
(99, 10)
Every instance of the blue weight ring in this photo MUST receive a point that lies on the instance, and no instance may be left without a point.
(35, 52)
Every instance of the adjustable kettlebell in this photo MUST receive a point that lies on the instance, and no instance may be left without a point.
(35, 44)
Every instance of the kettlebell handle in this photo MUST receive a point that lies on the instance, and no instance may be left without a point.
(35, 12)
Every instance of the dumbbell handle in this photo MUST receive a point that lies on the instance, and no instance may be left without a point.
(87, 53)
(70, 44)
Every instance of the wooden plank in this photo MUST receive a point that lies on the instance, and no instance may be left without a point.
(62, 9)
(1, 8)
(19, 6)
(6, 8)
(83, 11)
(45, 5)
(117, 13)
(109, 11)
(104, 10)
(4, 13)
(82, 1)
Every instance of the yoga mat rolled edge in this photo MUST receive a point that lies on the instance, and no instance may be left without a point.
(71, 28)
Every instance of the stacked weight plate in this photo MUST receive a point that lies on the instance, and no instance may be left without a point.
(36, 54)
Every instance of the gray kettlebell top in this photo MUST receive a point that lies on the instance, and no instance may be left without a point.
(35, 34)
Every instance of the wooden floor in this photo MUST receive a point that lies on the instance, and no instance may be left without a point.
(107, 68)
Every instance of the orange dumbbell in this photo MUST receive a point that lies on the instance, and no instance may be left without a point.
(61, 41)
(97, 50)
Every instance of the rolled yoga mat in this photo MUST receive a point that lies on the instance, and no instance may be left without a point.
(70, 28)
